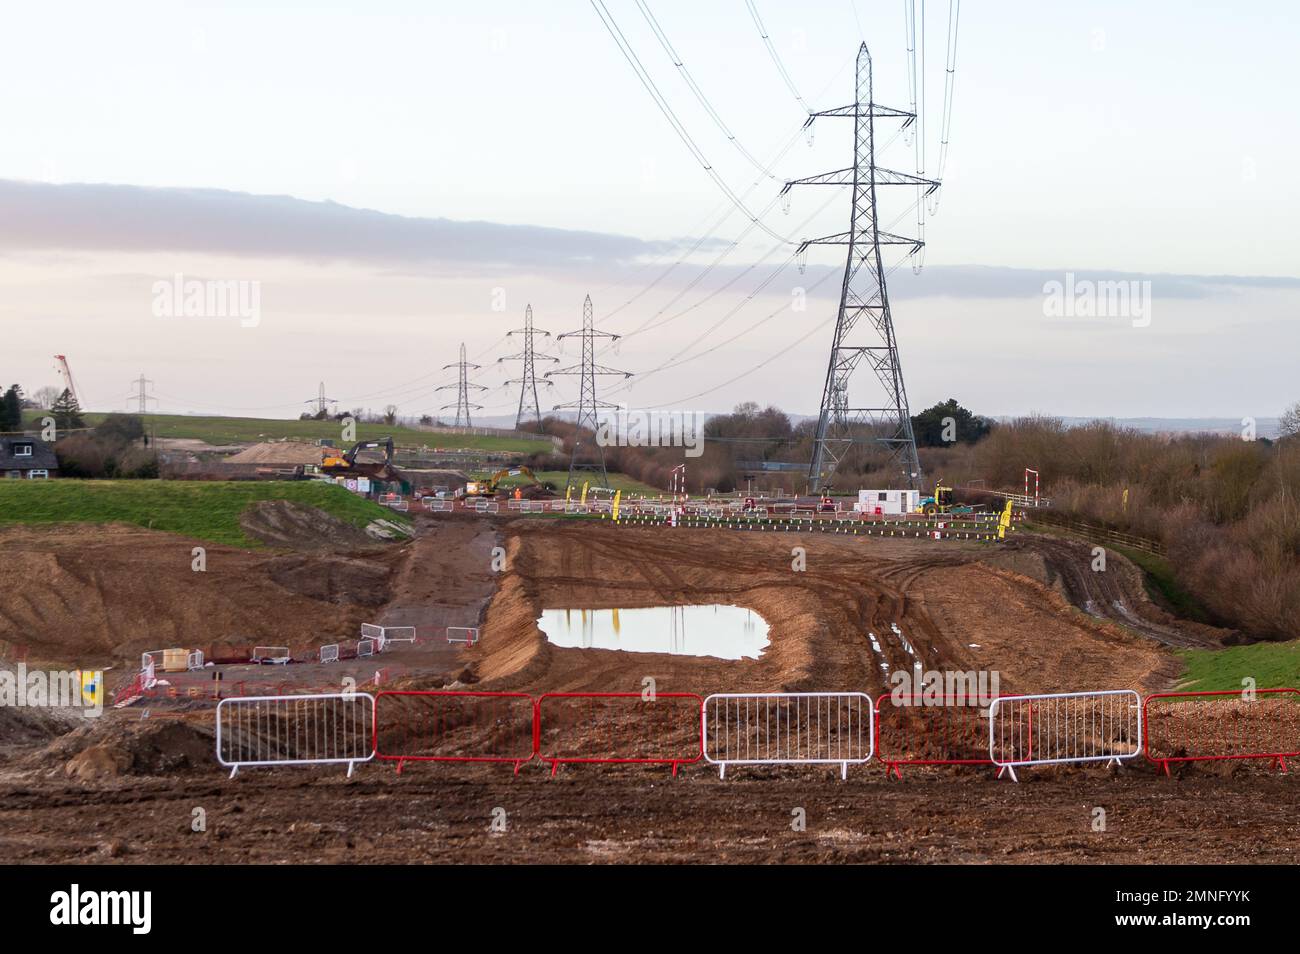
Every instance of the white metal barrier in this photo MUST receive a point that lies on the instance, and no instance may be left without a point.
(787, 728)
(462, 634)
(1065, 727)
(329, 653)
(383, 635)
(365, 647)
(277, 655)
(154, 656)
(438, 506)
(401, 506)
(487, 506)
(194, 660)
(318, 729)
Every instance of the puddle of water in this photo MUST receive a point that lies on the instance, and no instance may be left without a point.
(727, 632)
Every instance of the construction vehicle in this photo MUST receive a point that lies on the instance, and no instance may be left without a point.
(941, 502)
(347, 465)
(488, 487)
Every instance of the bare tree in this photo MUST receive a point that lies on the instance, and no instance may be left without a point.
(1289, 422)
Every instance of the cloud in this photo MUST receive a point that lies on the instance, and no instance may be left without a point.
(122, 218)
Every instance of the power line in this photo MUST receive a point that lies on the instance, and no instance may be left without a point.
(611, 26)
(771, 49)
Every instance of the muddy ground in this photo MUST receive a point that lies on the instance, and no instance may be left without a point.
(124, 788)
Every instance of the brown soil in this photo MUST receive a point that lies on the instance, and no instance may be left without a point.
(99, 596)
(133, 782)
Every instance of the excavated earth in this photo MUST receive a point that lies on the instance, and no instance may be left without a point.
(123, 788)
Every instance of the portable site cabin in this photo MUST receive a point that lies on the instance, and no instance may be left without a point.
(888, 502)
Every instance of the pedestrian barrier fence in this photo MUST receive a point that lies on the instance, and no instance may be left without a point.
(313, 729)
(441, 726)
(786, 728)
(365, 647)
(462, 634)
(398, 634)
(434, 505)
(619, 727)
(914, 730)
(329, 653)
(399, 505)
(194, 660)
(487, 506)
(153, 656)
(1061, 728)
(1227, 725)
(278, 655)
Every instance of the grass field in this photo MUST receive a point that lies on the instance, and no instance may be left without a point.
(243, 430)
(1271, 665)
(200, 509)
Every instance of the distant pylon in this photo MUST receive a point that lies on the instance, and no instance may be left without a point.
(843, 421)
(587, 404)
(320, 400)
(528, 404)
(142, 395)
(462, 386)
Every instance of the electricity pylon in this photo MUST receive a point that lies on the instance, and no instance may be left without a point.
(321, 401)
(845, 421)
(528, 404)
(142, 395)
(587, 404)
(462, 386)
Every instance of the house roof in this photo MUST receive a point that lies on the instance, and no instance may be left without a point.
(42, 458)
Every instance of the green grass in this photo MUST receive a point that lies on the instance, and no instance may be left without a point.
(204, 510)
(1271, 665)
(243, 430)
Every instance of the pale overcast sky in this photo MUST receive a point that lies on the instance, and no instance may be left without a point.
(476, 157)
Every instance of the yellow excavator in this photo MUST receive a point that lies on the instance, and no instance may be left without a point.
(488, 488)
(347, 465)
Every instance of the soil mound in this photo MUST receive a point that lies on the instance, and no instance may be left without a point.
(287, 523)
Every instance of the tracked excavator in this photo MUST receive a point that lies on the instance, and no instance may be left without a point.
(347, 465)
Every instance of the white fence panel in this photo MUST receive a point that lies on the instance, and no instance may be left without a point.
(789, 728)
(1064, 728)
(438, 506)
(318, 729)
(365, 647)
(329, 653)
(194, 660)
(399, 634)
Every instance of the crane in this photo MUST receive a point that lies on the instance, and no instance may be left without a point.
(65, 372)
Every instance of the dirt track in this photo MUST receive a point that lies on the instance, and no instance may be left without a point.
(131, 784)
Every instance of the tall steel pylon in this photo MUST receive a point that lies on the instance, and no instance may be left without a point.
(528, 404)
(844, 421)
(142, 395)
(462, 387)
(587, 404)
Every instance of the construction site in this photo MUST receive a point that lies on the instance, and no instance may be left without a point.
(537, 620)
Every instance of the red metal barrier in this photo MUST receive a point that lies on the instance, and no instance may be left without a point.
(1222, 726)
(455, 727)
(918, 734)
(620, 728)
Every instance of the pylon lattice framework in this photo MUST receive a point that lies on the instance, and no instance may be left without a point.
(463, 387)
(842, 422)
(587, 404)
(528, 403)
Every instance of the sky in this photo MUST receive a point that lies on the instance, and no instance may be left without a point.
(399, 178)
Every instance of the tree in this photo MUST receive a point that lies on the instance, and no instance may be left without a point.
(1289, 422)
(126, 428)
(949, 423)
(11, 410)
(67, 412)
(45, 397)
(390, 415)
